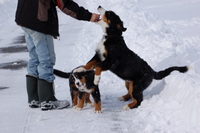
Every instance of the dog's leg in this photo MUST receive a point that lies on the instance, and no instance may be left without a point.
(74, 95)
(97, 99)
(131, 91)
(127, 96)
(97, 76)
(81, 100)
(90, 65)
(97, 107)
(87, 100)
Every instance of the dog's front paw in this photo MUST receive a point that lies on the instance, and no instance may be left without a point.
(74, 107)
(89, 105)
(97, 79)
(126, 107)
(80, 69)
(77, 108)
(98, 111)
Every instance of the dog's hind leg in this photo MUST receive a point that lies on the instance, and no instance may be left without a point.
(131, 92)
(127, 96)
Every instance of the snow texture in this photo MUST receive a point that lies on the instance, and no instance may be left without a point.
(164, 33)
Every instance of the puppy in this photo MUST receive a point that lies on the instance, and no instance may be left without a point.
(113, 54)
(81, 86)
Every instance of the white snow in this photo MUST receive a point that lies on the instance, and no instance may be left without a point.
(164, 33)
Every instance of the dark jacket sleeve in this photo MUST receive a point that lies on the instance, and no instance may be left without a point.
(71, 8)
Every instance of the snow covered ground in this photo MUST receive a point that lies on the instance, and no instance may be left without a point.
(164, 33)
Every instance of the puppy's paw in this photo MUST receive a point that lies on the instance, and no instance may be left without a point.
(89, 105)
(80, 69)
(98, 111)
(121, 99)
(97, 79)
(126, 107)
(74, 107)
(77, 108)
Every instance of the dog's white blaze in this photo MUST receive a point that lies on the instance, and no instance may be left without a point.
(81, 86)
(101, 49)
(103, 24)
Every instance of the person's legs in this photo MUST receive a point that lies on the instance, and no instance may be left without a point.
(31, 77)
(42, 55)
(42, 60)
(33, 61)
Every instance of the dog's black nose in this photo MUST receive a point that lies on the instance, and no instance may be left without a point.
(99, 7)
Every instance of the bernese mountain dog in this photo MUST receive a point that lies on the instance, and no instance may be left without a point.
(113, 54)
(81, 86)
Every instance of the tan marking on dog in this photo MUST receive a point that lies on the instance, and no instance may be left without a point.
(130, 90)
(72, 85)
(105, 54)
(83, 80)
(81, 101)
(87, 98)
(98, 70)
(130, 87)
(97, 106)
(127, 96)
(132, 105)
(90, 65)
(106, 20)
(75, 98)
(92, 90)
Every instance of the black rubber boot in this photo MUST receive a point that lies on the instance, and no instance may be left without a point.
(31, 85)
(45, 91)
(32, 91)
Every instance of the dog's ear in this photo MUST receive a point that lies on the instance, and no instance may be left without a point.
(121, 27)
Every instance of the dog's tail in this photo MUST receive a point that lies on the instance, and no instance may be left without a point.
(61, 74)
(166, 72)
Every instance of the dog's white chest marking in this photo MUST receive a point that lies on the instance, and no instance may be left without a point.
(101, 49)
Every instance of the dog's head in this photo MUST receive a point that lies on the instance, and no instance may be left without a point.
(81, 82)
(110, 22)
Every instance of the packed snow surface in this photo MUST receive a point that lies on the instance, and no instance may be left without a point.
(164, 33)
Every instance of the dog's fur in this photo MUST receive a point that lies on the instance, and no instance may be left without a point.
(81, 86)
(113, 54)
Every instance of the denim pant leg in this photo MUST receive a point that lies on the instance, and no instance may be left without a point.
(42, 55)
(33, 61)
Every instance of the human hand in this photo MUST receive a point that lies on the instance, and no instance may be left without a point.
(95, 17)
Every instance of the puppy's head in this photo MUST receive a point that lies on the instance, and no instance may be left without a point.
(79, 80)
(110, 22)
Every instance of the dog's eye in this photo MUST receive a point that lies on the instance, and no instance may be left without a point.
(108, 13)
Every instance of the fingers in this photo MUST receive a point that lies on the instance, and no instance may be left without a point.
(95, 17)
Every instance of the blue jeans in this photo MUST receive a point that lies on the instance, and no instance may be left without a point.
(41, 53)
